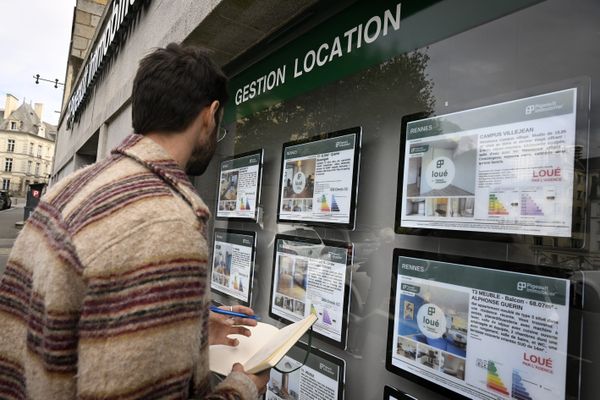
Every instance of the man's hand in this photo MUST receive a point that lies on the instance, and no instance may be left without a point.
(260, 380)
(220, 326)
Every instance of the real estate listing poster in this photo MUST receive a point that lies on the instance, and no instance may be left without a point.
(321, 377)
(506, 168)
(319, 180)
(239, 186)
(481, 333)
(233, 264)
(309, 278)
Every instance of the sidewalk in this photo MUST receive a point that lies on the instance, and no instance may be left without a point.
(8, 231)
(18, 202)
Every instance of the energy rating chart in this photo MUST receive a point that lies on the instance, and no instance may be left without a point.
(519, 391)
(495, 206)
(494, 382)
(529, 206)
(324, 204)
(334, 204)
(504, 203)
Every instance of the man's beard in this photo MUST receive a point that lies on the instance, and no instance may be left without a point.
(201, 156)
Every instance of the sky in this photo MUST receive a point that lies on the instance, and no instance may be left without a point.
(34, 39)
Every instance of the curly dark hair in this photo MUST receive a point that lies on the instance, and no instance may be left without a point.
(171, 87)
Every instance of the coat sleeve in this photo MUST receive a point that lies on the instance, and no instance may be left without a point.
(143, 330)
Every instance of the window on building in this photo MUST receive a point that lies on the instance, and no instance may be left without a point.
(37, 169)
(29, 167)
(11, 145)
(39, 153)
(5, 184)
(31, 148)
(8, 165)
(13, 125)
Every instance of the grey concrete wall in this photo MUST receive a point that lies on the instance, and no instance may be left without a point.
(161, 24)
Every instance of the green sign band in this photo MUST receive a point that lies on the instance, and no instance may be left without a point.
(363, 35)
(234, 238)
(533, 287)
(527, 109)
(241, 162)
(321, 147)
(314, 362)
(329, 253)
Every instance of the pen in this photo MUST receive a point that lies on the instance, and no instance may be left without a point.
(233, 313)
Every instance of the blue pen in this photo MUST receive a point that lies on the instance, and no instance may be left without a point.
(233, 313)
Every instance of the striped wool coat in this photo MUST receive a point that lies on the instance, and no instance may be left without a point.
(105, 292)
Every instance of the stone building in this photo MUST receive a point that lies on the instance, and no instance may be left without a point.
(26, 146)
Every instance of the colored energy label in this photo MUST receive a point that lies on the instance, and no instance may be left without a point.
(519, 391)
(493, 379)
(326, 317)
(495, 206)
(325, 207)
(244, 205)
(528, 206)
(324, 204)
(334, 204)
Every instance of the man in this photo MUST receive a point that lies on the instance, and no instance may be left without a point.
(105, 293)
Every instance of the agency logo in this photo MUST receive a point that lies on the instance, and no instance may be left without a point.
(543, 107)
(431, 321)
(326, 368)
(440, 172)
(535, 289)
(299, 182)
(529, 109)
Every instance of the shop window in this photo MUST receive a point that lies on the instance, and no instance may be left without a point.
(5, 184)
(11, 145)
(8, 165)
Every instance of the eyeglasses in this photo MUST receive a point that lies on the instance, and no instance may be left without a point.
(221, 133)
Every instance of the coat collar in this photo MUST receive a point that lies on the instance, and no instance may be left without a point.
(154, 157)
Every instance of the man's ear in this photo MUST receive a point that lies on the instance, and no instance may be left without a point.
(208, 113)
(214, 108)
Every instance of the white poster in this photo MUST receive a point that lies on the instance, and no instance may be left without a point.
(239, 187)
(232, 267)
(505, 168)
(311, 279)
(317, 181)
(482, 333)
